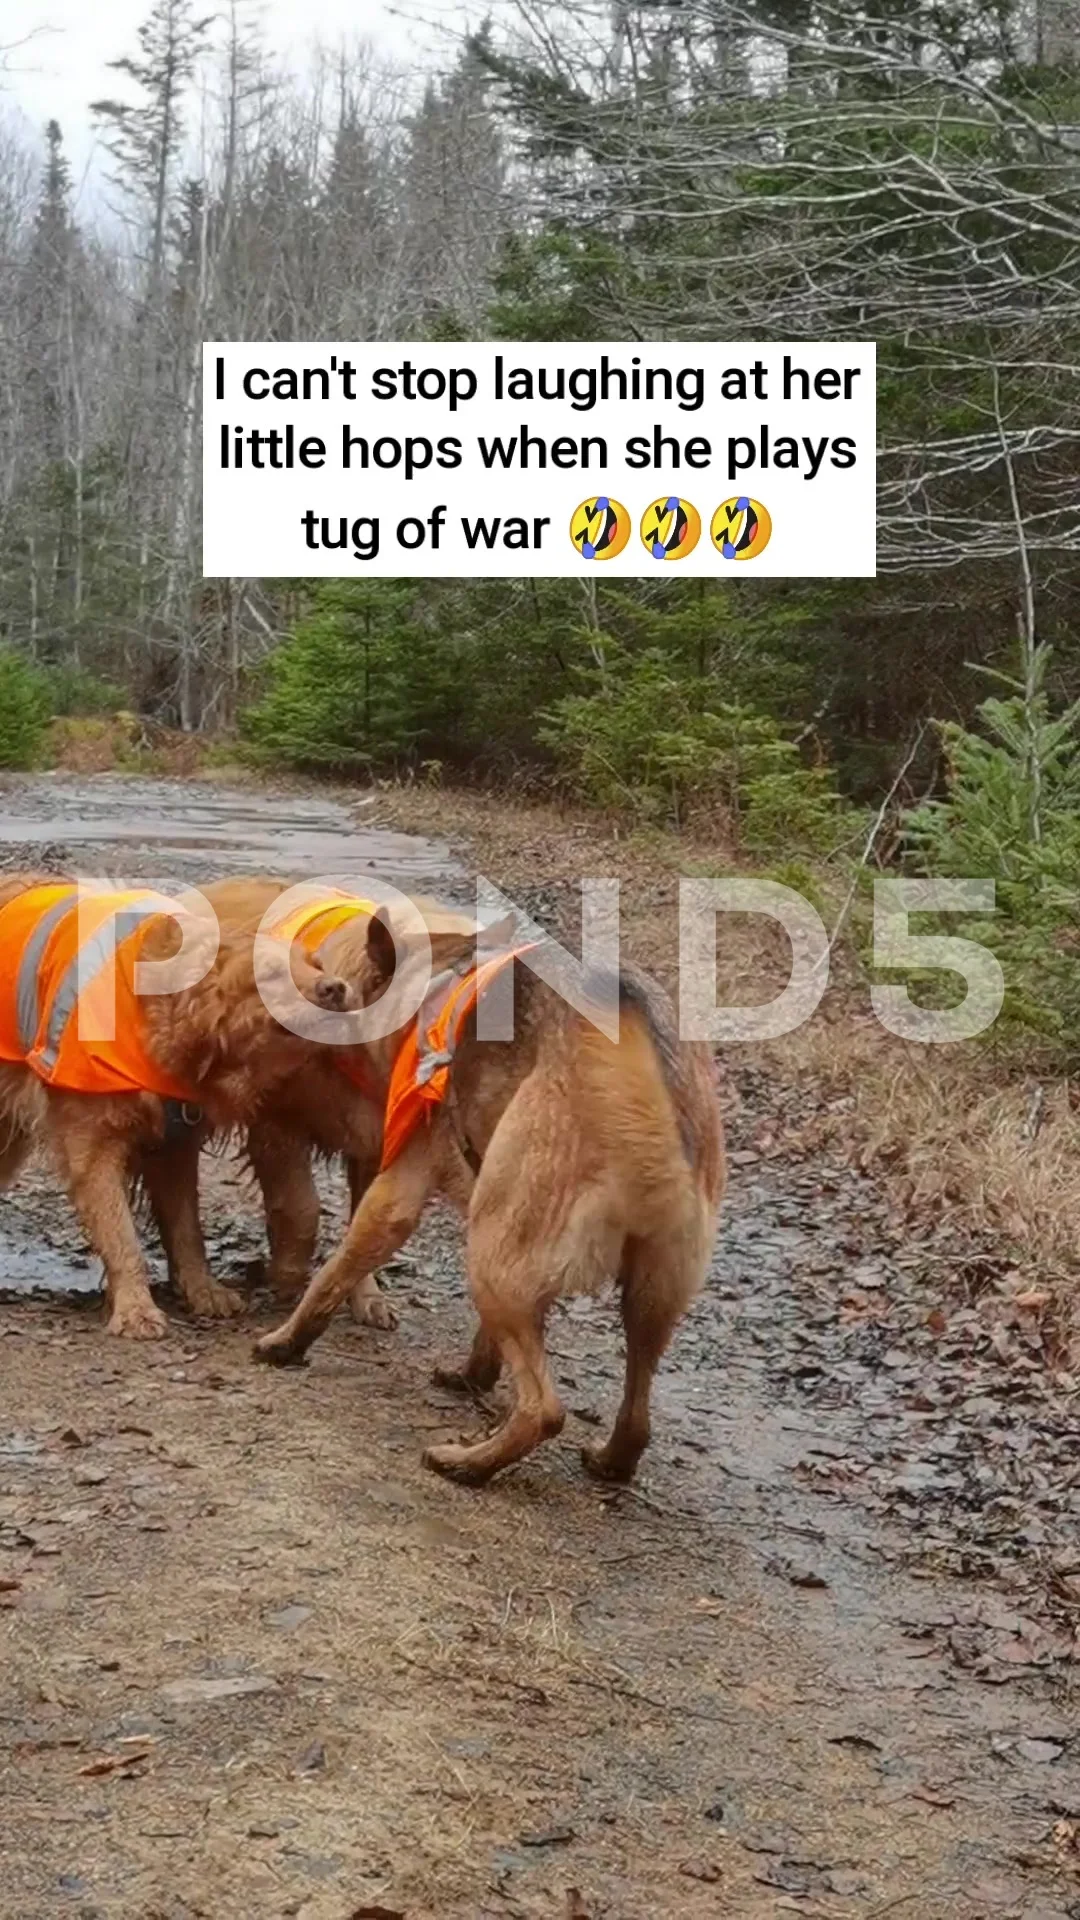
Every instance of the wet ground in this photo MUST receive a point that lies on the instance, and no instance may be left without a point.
(125, 827)
(820, 1661)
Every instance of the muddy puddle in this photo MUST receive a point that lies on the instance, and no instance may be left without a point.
(186, 830)
(173, 833)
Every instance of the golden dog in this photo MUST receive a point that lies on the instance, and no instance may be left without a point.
(216, 1038)
(330, 1107)
(580, 1160)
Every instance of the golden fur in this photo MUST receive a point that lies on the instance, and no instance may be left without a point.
(217, 1036)
(597, 1162)
(317, 1110)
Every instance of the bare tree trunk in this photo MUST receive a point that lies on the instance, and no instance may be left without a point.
(1025, 624)
(177, 607)
(1057, 32)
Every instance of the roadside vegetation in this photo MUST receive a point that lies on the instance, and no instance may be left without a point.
(909, 178)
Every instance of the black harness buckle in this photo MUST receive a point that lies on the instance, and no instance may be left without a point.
(182, 1117)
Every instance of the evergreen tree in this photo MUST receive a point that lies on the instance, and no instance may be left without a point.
(146, 137)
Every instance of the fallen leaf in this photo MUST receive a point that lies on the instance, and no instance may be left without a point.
(700, 1870)
(287, 1618)
(218, 1687)
(932, 1799)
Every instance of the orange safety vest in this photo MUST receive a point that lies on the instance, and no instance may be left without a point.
(68, 963)
(420, 1075)
(312, 924)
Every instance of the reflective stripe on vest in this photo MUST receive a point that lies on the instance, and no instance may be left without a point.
(60, 948)
(314, 922)
(27, 1005)
(90, 961)
(421, 1073)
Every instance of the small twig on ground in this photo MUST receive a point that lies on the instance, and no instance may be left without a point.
(672, 1707)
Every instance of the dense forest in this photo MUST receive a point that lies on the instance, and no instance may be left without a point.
(908, 172)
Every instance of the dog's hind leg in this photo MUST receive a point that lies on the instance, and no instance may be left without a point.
(516, 1332)
(479, 1371)
(170, 1175)
(98, 1176)
(23, 1119)
(512, 1293)
(281, 1163)
(15, 1147)
(658, 1280)
(521, 1242)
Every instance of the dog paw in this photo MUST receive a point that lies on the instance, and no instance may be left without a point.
(273, 1351)
(215, 1302)
(138, 1320)
(603, 1465)
(456, 1463)
(454, 1379)
(371, 1308)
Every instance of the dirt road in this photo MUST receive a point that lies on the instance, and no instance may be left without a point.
(256, 1662)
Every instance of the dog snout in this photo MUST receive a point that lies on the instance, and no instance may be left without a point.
(332, 993)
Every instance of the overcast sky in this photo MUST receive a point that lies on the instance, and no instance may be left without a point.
(58, 49)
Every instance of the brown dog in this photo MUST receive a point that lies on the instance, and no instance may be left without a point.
(318, 1110)
(333, 1107)
(217, 1040)
(580, 1161)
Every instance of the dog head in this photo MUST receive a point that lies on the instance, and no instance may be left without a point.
(227, 1029)
(402, 955)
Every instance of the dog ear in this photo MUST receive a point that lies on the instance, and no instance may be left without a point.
(380, 943)
(448, 948)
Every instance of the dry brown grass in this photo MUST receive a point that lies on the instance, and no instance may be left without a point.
(957, 1135)
(131, 743)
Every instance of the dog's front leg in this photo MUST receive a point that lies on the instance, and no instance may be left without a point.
(281, 1163)
(97, 1172)
(170, 1175)
(383, 1222)
(367, 1302)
